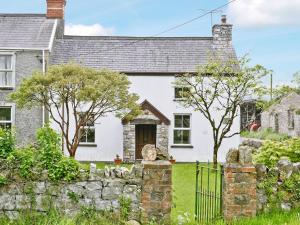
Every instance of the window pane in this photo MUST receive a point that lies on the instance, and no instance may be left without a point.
(177, 136)
(178, 121)
(91, 135)
(5, 62)
(82, 134)
(90, 122)
(5, 114)
(186, 121)
(177, 92)
(5, 79)
(185, 137)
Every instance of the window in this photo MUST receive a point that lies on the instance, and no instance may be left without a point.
(179, 91)
(6, 70)
(291, 119)
(182, 129)
(276, 123)
(5, 117)
(87, 132)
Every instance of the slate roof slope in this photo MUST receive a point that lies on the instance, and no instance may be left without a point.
(25, 31)
(136, 54)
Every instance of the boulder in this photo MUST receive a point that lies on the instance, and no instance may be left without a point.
(286, 206)
(162, 154)
(232, 156)
(285, 168)
(132, 222)
(296, 167)
(149, 152)
(261, 171)
(245, 155)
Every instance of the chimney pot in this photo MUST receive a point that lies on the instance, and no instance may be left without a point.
(223, 19)
(56, 9)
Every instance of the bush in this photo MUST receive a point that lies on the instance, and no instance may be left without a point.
(265, 134)
(272, 151)
(30, 161)
(7, 142)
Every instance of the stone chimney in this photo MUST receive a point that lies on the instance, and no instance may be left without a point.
(222, 33)
(56, 9)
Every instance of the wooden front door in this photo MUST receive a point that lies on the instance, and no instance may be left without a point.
(144, 134)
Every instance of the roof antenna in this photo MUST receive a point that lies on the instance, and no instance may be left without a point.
(211, 12)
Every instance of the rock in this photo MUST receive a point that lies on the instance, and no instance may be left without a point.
(262, 197)
(286, 206)
(232, 156)
(245, 155)
(296, 167)
(132, 222)
(112, 190)
(261, 171)
(93, 169)
(285, 168)
(149, 152)
(94, 186)
(162, 154)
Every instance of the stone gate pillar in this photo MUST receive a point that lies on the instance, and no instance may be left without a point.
(239, 189)
(156, 197)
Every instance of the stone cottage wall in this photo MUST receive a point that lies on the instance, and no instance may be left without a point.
(100, 190)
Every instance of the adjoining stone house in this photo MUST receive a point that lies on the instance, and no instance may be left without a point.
(151, 64)
(26, 41)
(283, 117)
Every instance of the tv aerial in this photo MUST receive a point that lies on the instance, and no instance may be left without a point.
(211, 12)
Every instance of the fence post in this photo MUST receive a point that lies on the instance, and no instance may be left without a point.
(239, 190)
(156, 196)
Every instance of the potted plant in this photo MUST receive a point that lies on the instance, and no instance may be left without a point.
(118, 160)
(172, 160)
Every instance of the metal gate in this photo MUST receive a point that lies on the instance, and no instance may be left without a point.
(208, 202)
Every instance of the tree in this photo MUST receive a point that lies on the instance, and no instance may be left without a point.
(72, 93)
(217, 90)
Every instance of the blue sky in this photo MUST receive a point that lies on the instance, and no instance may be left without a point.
(269, 33)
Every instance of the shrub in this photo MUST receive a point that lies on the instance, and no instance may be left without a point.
(65, 169)
(3, 180)
(265, 134)
(7, 142)
(271, 151)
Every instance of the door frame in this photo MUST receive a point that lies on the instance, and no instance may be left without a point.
(136, 137)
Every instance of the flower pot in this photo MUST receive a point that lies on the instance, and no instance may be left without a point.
(173, 161)
(118, 161)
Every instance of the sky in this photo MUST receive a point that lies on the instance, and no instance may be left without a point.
(268, 31)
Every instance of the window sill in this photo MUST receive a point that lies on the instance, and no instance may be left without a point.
(178, 99)
(182, 146)
(6, 88)
(87, 145)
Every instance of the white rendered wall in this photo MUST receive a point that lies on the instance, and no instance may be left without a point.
(159, 91)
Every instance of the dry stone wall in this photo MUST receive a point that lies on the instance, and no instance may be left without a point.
(148, 185)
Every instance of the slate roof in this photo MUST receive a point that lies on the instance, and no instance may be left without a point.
(136, 54)
(22, 31)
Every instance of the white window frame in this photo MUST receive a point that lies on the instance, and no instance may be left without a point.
(182, 128)
(12, 112)
(88, 128)
(12, 70)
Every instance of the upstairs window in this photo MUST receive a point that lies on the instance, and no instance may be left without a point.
(291, 119)
(5, 117)
(87, 132)
(6, 70)
(182, 129)
(179, 92)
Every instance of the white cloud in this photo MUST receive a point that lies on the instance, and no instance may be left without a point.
(88, 30)
(259, 13)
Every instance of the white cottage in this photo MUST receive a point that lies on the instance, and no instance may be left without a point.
(151, 64)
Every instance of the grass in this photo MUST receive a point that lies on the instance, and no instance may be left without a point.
(265, 134)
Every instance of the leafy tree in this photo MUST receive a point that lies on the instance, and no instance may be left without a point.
(73, 93)
(217, 90)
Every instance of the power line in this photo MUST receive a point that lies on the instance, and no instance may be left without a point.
(174, 27)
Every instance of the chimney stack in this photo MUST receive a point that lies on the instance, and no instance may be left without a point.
(56, 9)
(222, 33)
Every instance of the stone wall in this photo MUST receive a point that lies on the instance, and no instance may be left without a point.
(157, 191)
(148, 185)
(101, 189)
(162, 136)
